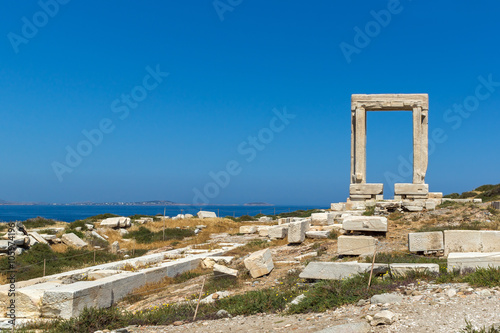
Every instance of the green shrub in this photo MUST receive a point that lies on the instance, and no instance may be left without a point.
(38, 222)
(452, 196)
(447, 204)
(467, 195)
(484, 188)
(48, 231)
(100, 217)
(76, 224)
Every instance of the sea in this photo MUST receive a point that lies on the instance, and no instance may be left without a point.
(70, 213)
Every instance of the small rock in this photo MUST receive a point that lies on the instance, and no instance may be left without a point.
(451, 292)
(385, 317)
(298, 299)
(115, 247)
(178, 323)
(223, 314)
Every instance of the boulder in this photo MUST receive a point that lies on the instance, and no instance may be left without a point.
(385, 317)
(365, 223)
(278, 232)
(188, 216)
(259, 263)
(205, 215)
(73, 240)
(223, 270)
(265, 219)
(115, 247)
(207, 263)
(248, 229)
(89, 226)
(297, 231)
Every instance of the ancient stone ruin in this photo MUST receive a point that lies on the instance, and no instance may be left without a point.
(360, 190)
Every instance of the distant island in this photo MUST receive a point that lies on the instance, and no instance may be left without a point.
(258, 204)
(136, 203)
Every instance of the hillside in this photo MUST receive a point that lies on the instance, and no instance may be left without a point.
(485, 192)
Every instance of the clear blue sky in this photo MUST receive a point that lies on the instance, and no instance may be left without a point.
(69, 68)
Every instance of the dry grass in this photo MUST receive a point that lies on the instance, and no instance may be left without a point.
(61, 248)
(214, 225)
(154, 288)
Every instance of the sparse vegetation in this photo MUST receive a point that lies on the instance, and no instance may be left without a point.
(145, 236)
(30, 263)
(469, 328)
(370, 211)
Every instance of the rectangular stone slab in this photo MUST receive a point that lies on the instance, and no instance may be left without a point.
(472, 260)
(356, 245)
(69, 300)
(471, 241)
(365, 223)
(366, 189)
(405, 269)
(374, 102)
(339, 270)
(426, 241)
(73, 240)
(411, 189)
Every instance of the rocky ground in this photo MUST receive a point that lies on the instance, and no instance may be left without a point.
(420, 308)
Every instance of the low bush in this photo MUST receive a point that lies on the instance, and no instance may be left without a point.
(38, 222)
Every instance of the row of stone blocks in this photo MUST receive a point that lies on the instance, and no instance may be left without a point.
(50, 298)
(345, 270)
(455, 241)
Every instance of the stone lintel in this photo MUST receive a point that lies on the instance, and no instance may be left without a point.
(388, 102)
(411, 189)
(366, 189)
